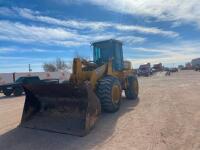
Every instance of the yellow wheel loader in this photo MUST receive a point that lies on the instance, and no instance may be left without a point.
(74, 106)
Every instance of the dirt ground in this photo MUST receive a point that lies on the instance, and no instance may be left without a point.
(165, 117)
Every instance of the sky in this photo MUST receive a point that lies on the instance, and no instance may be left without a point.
(34, 32)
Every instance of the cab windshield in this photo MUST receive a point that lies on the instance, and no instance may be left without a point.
(101, 55)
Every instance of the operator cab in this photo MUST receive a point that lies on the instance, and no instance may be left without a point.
(105, 50)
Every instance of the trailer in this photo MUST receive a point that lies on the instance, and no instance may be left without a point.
(196, 64)
(158, 67)
(16, 88)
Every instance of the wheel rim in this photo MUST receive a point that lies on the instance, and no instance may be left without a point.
(116, 94)
(135, 87)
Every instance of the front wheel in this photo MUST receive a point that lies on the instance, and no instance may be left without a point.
(133, 88)
(109, 92)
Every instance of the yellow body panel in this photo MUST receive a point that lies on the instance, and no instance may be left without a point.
(79, 75)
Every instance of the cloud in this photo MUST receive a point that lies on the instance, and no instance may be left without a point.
(147, 30)
(18, 32)
(130, 40)
(185, 11)
(182, 52)
(91, 25)
(6, 11)
(6, 49)
(14, 49)
(14, 31)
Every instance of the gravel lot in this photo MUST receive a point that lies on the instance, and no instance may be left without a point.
(165, 117)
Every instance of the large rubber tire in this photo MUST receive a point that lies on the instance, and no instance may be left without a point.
(18, 91)
(109, 92)
(133, 88)
(7, 92)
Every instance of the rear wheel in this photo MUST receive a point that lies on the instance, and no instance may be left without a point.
(133, 88)
(7, 92)
(109, 93)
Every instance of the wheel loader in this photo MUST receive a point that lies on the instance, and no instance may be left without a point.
(74, 106)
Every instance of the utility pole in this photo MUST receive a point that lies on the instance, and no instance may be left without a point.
(29, 68)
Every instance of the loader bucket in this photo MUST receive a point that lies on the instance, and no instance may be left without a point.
(62, 108)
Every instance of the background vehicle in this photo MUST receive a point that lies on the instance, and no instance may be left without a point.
(196, 64)
(145, 70)
(16, 87)
(73, 107)
(197, 68)
(158, 67)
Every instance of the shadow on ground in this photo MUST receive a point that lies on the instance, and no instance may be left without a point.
(28, 139)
